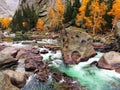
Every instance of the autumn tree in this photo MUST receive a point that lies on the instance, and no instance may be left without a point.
(82, 10)
(40, 24)
(56, 14)
(97, 10)
(5, 22)
(115, 11)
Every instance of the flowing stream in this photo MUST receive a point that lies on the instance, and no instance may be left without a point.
(90, 76)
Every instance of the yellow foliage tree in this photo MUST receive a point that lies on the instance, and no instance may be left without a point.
(59, 9)
(52, 17)
(115, 11)
(55, 14)
(81, 15)
(40, 24)
(5, 22)
(97, 10)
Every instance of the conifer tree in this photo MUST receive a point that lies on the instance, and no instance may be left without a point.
(71, 11)
(108, 18)
(75, 7)
(68, 11)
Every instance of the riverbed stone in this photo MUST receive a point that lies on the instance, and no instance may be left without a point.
(28, 52)
(77, 45)
(33, 63)
(5, 83)
(12, 51)
(17, 78)
(110, 60)
(6, 60)
(99, 46)
(64, 82)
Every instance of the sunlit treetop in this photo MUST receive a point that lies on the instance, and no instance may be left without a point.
(115, 11)
(82, 10)
(97, 11)
(59, 8)
(5, 22)
(40, 24)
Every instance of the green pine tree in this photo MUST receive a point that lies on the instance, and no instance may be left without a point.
(24, 14)
(107, 17)
(68, 12)
(71, 11)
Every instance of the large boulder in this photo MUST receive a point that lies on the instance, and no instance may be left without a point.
(17, 78)
(27, 52)
(6, 60)
(77, 45)
(12, 51)
(5, 83)
(33, 63)
(110, 60)
(8, 7)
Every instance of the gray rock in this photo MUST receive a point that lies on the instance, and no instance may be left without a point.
(12, 51)
(33, 63)
(17, 78)
(77, 45)
(110, 60)
(6, 60)
(5, 83)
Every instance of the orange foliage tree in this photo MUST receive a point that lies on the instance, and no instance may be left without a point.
(56, 14)
(115, 11)
(81, 15)
(95, 20)
(5, 22)
(60, 9)
(40, 24)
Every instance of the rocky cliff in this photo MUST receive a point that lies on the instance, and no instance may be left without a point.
(8, 7)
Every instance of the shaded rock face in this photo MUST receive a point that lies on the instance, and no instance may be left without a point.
(117, 35)
(99, 46)
(110, 60)
(18, 79)
(76, 45)
(8, 7)
(5, 83)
